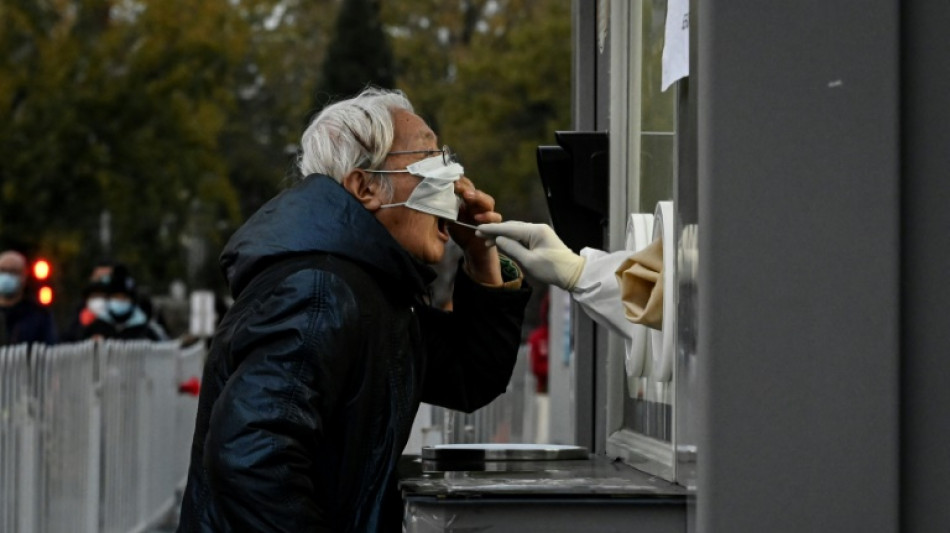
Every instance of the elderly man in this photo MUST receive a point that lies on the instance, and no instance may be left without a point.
(21, 319)
(315, 373)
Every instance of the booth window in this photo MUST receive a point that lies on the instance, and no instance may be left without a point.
(643, 146)
(657, 137)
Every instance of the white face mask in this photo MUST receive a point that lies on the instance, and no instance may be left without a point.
(98, 306)
(435, 195)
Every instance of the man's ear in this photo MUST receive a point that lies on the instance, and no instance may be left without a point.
(364, 188)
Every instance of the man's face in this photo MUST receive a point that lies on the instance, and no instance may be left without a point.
(100, 272)
(421, 234)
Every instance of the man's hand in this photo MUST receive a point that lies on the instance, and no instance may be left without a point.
(539, 251)
(481, 261)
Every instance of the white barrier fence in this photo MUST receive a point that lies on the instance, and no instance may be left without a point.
(94, 436)
(518, 416)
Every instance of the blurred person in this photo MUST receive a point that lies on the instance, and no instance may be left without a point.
(94, 292)
(538, 347)
(21, 318)
(112, 307)
(316, 371)
(102, 270)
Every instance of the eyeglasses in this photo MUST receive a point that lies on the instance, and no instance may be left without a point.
(448, 157)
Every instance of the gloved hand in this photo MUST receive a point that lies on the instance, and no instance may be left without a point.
(538, 249)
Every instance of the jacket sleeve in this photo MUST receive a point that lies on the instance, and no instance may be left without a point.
(598, 292)
(472, 350)
(269, 419)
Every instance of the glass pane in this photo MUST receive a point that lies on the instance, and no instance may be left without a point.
(657, 152)
(657, 112)
(647, 405)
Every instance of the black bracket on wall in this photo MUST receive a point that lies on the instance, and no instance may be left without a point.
(575, 179)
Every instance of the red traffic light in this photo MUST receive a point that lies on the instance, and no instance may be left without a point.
(45, 295)
(41, 270)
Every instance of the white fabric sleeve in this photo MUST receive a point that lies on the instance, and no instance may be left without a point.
(598, 292)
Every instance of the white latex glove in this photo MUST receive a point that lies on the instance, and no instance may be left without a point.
(538, 249)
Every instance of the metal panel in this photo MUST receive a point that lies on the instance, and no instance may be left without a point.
(925, 335)
(64, 390)
(189, 366)
(549, 515)
(586, 97)
(121, 380)
(16, 429)
(93, 437)
(799, 273)
(584, 63)
(687, 271)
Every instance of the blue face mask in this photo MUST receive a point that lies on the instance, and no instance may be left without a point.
(120, 308)
(9, 284)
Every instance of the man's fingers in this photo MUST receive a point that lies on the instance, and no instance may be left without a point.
(477, 200)
(489, 217)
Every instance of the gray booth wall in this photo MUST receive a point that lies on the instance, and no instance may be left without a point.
(822, 172)
(819, 167)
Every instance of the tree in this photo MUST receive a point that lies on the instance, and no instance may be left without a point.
(493, 80)
(115, 107)
(276, 84)
(179, 118)
(359, 54)
(516, 82)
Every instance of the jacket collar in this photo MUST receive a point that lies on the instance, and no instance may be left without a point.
(318, 215)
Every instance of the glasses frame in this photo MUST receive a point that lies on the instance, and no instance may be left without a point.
(448, 157)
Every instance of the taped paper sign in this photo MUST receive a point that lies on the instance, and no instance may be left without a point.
(676, 43)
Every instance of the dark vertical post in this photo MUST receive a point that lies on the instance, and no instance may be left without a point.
(925, 253)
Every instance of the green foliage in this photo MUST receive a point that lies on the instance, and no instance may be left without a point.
(359, 54)
(156, 112)
(276, 83)
(493, 79)
(110, 109)
(179, 118)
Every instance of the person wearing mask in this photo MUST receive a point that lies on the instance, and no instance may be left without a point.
(112, 311)
(95, 291)
(316, 372)
(21, 318)
(538, 347)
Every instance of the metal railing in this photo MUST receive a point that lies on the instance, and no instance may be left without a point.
(94, 436)
(511, 417)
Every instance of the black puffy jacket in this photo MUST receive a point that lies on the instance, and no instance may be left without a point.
(316, 372)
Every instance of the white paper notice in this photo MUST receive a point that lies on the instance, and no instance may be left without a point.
(676, 45)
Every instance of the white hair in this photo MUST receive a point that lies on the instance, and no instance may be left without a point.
(353, 133)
